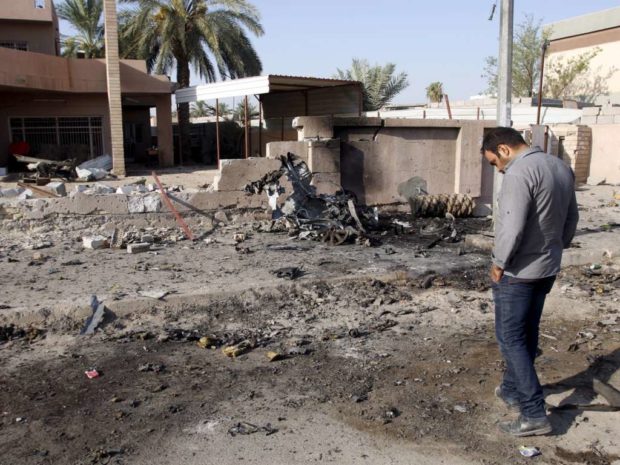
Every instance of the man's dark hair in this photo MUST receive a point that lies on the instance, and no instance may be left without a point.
(501, 135)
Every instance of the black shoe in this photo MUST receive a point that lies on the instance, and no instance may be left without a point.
(512, 404)
(526, 427)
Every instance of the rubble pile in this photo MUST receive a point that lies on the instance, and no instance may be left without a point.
(331, 218)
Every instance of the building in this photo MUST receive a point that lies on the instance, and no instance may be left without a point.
(573, 36)
(60, 105)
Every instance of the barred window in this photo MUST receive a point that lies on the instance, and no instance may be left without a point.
(60, 137)
(15, 44)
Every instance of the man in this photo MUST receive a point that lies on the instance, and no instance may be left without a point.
(536, 220)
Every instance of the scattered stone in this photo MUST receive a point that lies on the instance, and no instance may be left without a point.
(148, 238)
(57, 188)
(139, 247)
(239, 237)
(11, 192)
(154, 294)
(221, 217)
(461, 409)
(94, 242)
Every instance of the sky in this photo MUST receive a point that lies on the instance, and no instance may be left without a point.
(430, 40)
(436, 40)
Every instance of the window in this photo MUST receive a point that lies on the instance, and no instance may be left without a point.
(15, 44)
(60, 138)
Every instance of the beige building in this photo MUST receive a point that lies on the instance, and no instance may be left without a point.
(59, 105)
(580, 34)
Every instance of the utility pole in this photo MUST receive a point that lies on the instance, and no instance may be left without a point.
(113, 74)
(504, 81)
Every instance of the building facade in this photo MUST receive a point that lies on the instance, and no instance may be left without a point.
(600, 30)
(60, 105)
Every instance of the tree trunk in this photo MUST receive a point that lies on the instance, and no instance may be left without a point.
(183, 112)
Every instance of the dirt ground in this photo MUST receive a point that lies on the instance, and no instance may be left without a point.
(386, 354)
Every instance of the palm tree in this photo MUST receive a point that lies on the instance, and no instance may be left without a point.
(200, 109)
(239, 112)
(208, 34)
(86, 17)
(434, 92)
(380, 85)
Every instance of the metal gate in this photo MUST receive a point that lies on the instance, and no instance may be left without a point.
(60, 137)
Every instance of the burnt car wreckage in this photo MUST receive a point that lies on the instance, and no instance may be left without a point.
(338, 218)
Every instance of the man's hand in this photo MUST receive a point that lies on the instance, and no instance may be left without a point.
(496, 273)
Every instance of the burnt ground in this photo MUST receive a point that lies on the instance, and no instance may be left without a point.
(413, 369)
(387, 352)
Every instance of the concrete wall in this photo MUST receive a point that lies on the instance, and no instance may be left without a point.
(377, 156)
(40, 36)
(605, 161)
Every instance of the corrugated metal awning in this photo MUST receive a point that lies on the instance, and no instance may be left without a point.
(257, 85)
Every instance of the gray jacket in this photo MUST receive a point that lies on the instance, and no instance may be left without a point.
(537, 215)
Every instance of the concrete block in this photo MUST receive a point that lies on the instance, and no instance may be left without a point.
(324, 156)
(99, 189)
(235, 174)
(94, 242)
(591, 111)
(139, 247)
(605, 119)
(314, 127)
(144, 203)
(299, 148)
(57, 188)
(147, 238)
(326, 183)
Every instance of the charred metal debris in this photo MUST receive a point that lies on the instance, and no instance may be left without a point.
(334, 219)
(337, 219)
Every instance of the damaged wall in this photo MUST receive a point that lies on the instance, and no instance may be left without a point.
(376, 155)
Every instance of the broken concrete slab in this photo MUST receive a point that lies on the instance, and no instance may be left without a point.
(94, 242)
(57, 188)
(235, 174)
(150, 203)
(11, 192)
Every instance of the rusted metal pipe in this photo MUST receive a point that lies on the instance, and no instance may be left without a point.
(448, 106)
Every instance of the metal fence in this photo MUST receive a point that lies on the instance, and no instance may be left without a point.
(60, 137)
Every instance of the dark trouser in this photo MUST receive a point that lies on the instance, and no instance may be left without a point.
(518, 308)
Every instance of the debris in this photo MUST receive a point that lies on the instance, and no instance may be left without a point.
(139, 247)
(11, 332)
(595, 180)
(274, 356)
(245, 428)
(234, 351)
(289, 272)
(526, 451)
(98, 313)
(154, 367)
(610, 393)
(221, 217)
(11, 192)
(390, 414)
(156, 294)
(239, 237)
(458, 205)
(72, 262)
(461, 408)
(91, 374)
(333, 219)
(94, 242)
(57, 188)
(207, 342)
